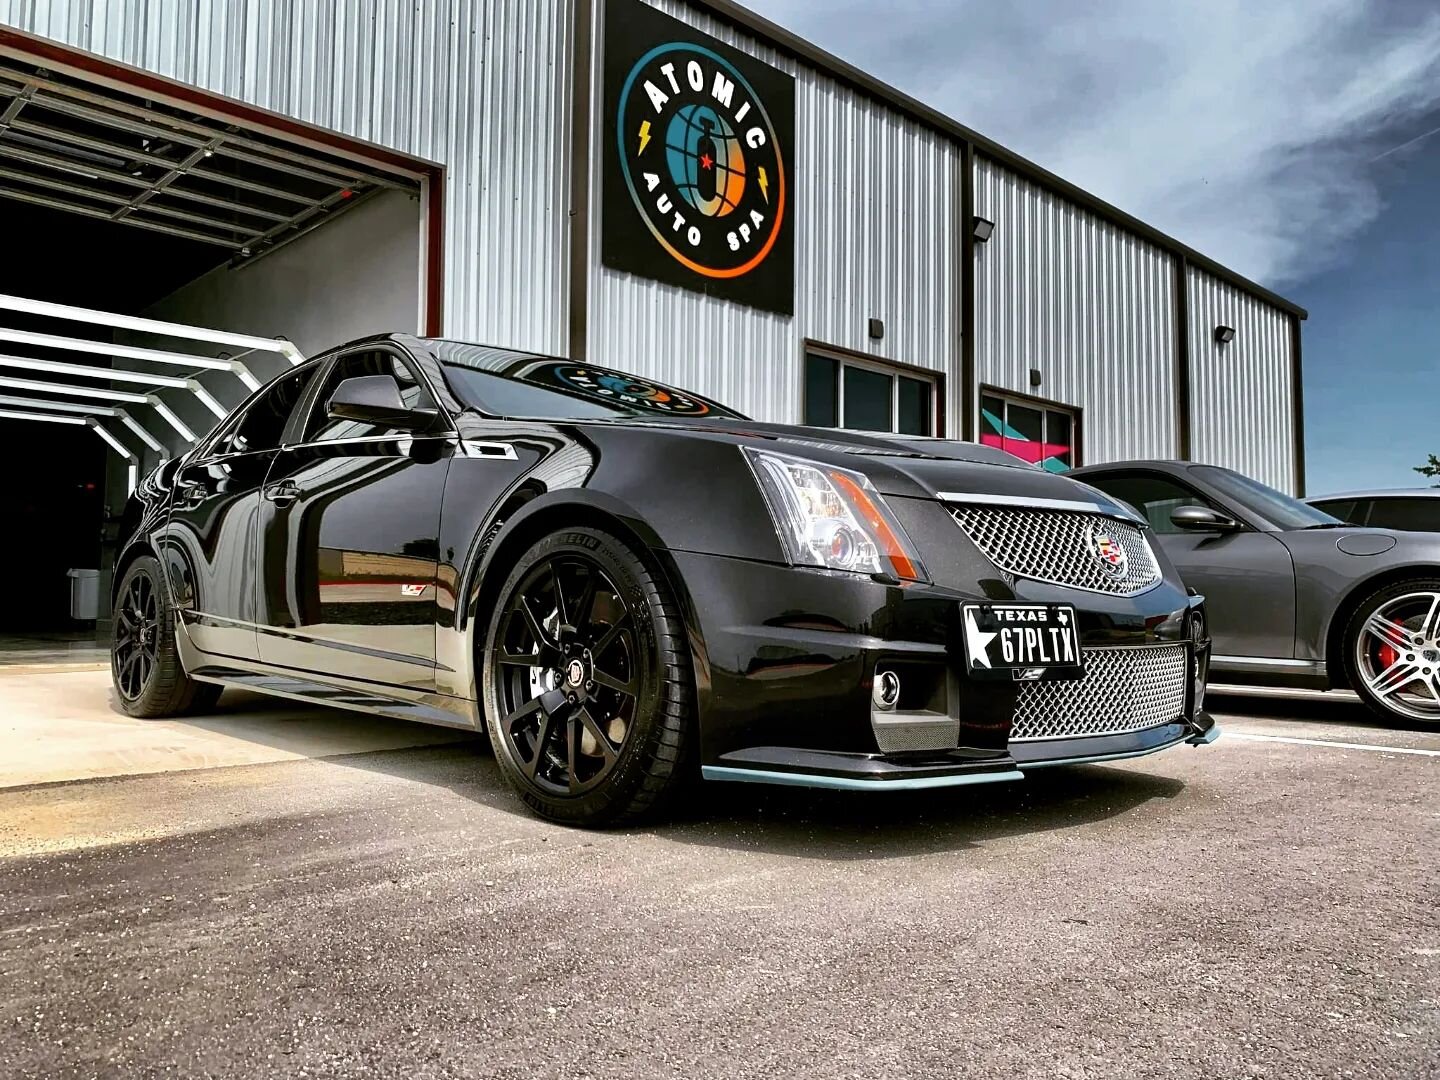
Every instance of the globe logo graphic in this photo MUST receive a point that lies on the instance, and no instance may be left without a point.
(705, 159)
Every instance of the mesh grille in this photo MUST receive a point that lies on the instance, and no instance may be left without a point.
(1058, 546)
(1124, 689)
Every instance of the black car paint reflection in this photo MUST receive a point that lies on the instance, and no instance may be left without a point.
(362, 570)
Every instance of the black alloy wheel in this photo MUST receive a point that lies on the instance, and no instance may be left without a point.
(137, 636)
(150, 680)
(588, 693)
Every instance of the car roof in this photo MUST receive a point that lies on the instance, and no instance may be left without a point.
(1379, 493)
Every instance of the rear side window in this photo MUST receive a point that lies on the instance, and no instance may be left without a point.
(1417, 514)
(261, 423)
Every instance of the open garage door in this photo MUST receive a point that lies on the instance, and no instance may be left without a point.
(167, 252)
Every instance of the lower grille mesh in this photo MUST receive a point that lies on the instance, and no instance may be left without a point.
(1124, 689)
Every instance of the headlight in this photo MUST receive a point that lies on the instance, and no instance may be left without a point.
(833, 518)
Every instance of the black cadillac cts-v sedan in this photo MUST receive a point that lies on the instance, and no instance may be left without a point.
(622, 581)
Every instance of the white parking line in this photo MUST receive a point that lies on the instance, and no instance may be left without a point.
(1230, 734)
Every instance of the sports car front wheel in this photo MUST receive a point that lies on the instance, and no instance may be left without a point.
(1394, 642)
(586, 674)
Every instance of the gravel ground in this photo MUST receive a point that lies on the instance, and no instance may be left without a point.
(1255, 908)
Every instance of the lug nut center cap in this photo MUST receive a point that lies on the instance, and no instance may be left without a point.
(575, 673)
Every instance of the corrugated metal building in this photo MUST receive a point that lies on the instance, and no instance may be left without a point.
(921, 277)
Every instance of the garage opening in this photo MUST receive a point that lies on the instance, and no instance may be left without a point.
(158, 241)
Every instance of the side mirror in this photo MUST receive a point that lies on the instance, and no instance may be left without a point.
(375, 399)
(1203, 519)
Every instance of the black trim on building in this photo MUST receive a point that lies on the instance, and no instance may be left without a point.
(583, 91)
(748, 22)
(969, 429)
(1297, 401)
(1183, 419)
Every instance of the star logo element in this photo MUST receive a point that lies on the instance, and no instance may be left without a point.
(977, 642)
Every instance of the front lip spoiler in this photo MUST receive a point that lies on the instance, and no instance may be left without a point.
(852, 783)
(791, 767)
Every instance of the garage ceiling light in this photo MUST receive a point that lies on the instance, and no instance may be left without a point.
(152, 326)
(94, 371)
(95, 392)
(44, 418)
(88, 410)
(106, 348)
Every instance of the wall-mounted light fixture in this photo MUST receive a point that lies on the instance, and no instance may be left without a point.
(1224, 334)
(1035, 377)
(877, 329)
(983, 228)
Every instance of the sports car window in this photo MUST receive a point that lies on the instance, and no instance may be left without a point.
(260, 424)
(1156, 497)
(1264, 501)
(1354, 511)
(321, 428)
(1417, 514)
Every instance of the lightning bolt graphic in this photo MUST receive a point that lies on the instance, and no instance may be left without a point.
(764, 184)
(644, 135)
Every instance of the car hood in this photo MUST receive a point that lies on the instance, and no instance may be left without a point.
(907, 466)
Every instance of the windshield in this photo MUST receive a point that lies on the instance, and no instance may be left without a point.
(516, 385)
(1264, 501)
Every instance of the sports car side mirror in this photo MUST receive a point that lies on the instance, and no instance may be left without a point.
(1203, 519)
(375, 399)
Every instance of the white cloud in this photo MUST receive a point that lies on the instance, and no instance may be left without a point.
(1246, 130)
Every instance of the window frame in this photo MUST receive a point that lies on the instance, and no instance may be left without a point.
(1034, 401)
(205, 448)
(300, 419)
(892, 368)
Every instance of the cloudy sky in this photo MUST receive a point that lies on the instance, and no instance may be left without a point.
(1297, 141)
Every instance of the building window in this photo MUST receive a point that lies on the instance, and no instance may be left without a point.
(1037, 431)
(864, 395)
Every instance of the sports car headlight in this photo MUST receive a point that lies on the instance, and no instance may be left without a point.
(833, 518)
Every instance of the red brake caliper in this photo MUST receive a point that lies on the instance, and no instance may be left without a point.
(1388, 656)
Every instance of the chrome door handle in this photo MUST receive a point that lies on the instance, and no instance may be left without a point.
(283, 493)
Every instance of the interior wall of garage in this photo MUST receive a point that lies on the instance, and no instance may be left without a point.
(482, 87)
(1089, 306)
(356, 275)
(1243, 391)
(875, 231)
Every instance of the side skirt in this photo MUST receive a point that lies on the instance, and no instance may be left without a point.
(439, 709)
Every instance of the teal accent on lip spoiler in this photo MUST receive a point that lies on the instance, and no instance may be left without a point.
(849, 783)
(1196, 740)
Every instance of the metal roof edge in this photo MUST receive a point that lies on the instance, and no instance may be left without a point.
(796, 47)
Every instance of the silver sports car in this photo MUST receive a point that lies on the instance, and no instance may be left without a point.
(1296, 596)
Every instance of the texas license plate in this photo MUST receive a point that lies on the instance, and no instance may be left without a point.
(1022, 642)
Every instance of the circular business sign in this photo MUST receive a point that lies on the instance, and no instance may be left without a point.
(701, 158)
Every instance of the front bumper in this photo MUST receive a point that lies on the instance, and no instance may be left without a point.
(785, 660)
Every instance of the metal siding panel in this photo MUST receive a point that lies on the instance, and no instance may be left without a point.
(875, 236)
(1243, 392)
(481, 86)
(1089, 305)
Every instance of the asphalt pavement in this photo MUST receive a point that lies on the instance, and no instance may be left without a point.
(1263, 907)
